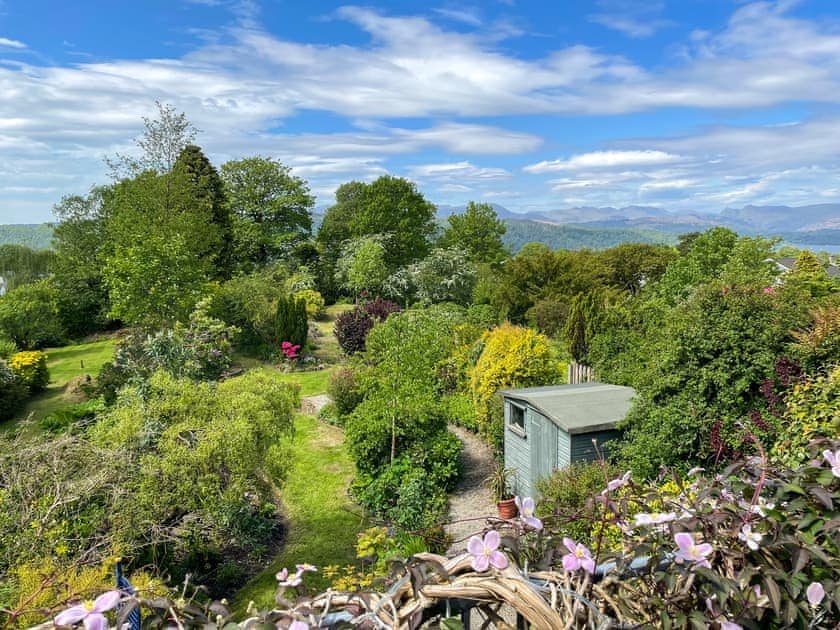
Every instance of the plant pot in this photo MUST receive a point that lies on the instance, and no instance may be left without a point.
(507, 508)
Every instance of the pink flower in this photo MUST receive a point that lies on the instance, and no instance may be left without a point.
(750, 537)
(815, 593)
(578, 557)
(655, 518)
(690, 552)
(283, 578)
(730, 625)
(833, 460)
(526, 512)
(90, 613)
(768, 290)
(486, 552)
(306, 567)
(615, 484)
(299, 625)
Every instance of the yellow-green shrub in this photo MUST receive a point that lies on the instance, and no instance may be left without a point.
(813, 411)
(512, 356)
(314, 302)
(46, 584)
(31, 368)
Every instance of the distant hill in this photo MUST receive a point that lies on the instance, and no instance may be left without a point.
(521, 231)
(817, 224)
(35, 235)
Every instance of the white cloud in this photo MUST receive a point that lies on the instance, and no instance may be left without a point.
(668, 184)
(61, 120)
(464, 16)
(5, 42)
(603, 159)
(458, 171)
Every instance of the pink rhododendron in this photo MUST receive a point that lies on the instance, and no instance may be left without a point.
(90, 613)
(486, 552)
(578, 557)
(689, 551)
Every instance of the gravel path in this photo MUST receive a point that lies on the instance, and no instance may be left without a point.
(311, 405)
(471, 498)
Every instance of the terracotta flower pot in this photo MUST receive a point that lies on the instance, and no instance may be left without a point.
(507, 508)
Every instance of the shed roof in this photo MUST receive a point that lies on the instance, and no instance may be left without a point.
(582, 408)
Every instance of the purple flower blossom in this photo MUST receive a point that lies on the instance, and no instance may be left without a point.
(815, 593)
(730, 625)
(283, 578)
(833, 460)
(90, 613)
(526, 512)
(750, 537)
(690, 552)
(302, 568)
(299, 625)
(486, 553)
(578, 557)
(656, 518)
(615, 484)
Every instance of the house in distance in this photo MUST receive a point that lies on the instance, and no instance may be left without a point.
(550, 427)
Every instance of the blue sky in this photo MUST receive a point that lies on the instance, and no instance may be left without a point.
(689, 105)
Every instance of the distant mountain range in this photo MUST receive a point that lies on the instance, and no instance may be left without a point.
(816, 226)
(819, 223)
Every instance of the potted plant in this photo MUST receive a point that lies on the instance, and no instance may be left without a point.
(500, 486)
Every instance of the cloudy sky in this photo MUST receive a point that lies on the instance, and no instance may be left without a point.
(685, 104)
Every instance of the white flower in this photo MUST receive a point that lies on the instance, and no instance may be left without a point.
(655, 518)
(750, 537)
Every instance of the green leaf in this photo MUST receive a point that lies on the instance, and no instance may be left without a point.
(771, 589)
(452, 623)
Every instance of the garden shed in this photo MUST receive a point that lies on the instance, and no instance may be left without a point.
(550, 427)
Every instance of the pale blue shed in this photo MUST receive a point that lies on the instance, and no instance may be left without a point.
(550, 427)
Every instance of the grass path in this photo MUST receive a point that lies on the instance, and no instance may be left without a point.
(64, 364)
(322, 521)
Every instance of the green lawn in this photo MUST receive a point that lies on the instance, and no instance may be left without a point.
(322, 521)
(64, 364)
(314, 382)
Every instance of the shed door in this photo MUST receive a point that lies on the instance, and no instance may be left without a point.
(543, 439)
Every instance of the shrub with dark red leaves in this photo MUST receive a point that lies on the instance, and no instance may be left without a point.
(351, 329)
(380, 309)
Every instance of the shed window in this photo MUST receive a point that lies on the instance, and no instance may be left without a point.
(517, 417)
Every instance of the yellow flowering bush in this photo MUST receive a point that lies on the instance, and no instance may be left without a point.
(31, 368)
(512, 356)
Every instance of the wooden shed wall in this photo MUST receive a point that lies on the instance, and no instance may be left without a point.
(584, 451)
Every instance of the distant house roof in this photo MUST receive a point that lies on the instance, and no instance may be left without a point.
(580, 408)
(786, 263)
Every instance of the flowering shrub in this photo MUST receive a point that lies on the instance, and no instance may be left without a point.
(31, 368)
(511, 357)
(754, 547)
(289, 350)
